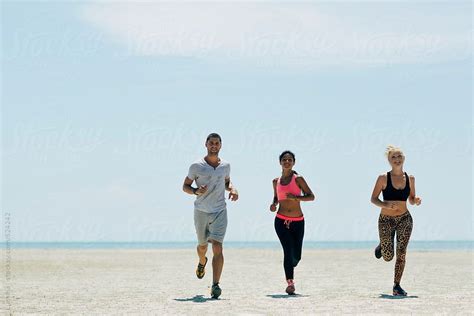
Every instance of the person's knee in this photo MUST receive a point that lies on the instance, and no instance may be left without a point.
(216, 247)
(401, 257)
(202, 247)
(387, 256)
(296, 258)
(295, 261)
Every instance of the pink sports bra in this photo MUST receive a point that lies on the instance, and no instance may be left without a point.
(291, 187)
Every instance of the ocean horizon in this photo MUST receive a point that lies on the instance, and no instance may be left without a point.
(414, 245)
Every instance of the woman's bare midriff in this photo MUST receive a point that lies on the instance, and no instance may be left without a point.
(290, 208)
(401, 209)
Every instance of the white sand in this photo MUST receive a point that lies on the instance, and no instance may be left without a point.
(163, 282)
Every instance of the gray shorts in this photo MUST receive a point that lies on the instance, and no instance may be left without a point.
(210, 226)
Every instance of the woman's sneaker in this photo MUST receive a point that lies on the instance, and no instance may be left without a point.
(378, 252)
(290, 289)
(216, 290)
(398, 291)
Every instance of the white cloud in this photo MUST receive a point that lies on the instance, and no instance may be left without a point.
(285, 33)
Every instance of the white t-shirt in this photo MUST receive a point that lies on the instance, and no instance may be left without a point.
(204, 174)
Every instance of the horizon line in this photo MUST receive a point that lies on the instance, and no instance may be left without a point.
(229, 241)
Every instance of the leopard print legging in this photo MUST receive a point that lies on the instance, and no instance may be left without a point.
(402, 225)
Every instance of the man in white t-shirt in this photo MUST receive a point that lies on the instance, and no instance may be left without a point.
(212, 177)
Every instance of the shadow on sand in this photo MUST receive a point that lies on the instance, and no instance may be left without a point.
(198, 299)
(393, 297)
(286, 295)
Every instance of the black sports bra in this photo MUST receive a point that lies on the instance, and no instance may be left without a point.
(392, 194)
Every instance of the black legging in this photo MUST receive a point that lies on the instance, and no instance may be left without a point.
(291, 238)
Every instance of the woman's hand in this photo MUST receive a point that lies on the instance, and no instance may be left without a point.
(417, 200)
(273, 207)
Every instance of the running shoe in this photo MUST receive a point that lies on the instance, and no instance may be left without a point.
(398, 291)
(290, 289)
(378, 252)
(216, 290)
(200, 270)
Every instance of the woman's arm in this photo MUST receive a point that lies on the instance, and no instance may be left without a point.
(275, 197)
(413, 199)
(379, 184)
(307, 193)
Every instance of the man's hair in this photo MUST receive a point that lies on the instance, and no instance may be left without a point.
(213, 135)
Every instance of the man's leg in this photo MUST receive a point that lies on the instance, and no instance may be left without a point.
(217, 261)
(217, 228)
(202, 233)
(201, 251)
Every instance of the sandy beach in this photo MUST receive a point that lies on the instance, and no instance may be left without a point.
(158, 281)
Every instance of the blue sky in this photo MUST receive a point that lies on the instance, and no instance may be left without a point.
(105, 106)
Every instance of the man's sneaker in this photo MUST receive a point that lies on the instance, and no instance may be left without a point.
(398, 291)
(290, 289)
(216, 290)
(378, 252)
(201, 270)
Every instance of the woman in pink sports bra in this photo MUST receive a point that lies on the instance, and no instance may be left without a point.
(289, 190)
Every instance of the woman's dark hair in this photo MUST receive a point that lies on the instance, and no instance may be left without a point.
(287, 152)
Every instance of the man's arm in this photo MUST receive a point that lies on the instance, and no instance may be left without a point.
(187, 186)
(228, 185)
(234, 194)
(192, 190)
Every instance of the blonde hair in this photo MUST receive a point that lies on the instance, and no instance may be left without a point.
(391, 149)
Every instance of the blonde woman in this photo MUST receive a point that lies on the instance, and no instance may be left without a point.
(395, 219)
